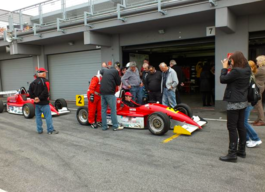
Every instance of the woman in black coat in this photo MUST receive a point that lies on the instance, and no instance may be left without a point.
(205, 85)
(236, 92)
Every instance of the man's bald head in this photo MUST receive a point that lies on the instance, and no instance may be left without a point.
(104, 65)
(163, 67)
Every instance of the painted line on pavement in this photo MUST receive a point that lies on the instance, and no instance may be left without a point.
(171, 138)
(222, 120)
(1, 190)
(73, 109)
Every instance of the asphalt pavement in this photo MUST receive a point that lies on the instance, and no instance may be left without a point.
(82, 159)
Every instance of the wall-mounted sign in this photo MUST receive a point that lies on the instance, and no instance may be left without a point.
(210, 31)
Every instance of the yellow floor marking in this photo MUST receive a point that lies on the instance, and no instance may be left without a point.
(171, 138)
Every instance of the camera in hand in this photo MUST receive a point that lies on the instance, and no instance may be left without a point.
(229, 62)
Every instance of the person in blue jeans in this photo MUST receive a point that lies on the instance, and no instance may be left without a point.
(110, 81)
(39, 91)
(169, 84)
(252, 137)
(131, 79)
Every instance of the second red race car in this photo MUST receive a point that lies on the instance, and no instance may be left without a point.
(20, 103)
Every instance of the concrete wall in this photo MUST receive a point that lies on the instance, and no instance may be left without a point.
(196, 30)
(113, 53)
(229, 43)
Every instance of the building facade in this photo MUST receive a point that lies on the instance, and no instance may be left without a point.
(72, 41)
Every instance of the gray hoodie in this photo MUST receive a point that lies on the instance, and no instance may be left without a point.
(131, 78)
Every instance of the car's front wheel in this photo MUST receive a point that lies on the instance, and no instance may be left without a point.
(82, 115)
(28, 110)
(184, 108)
(158, 123)
(60, 103)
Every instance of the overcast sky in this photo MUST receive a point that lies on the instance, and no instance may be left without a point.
(12, 5)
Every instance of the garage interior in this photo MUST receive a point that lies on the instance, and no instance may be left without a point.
(187, 53)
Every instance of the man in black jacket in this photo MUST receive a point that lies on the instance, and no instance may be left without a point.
(39, 91)
(110, 81)
(181, 78)
(153, 82)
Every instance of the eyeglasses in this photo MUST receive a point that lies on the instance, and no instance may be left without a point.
(128, 96)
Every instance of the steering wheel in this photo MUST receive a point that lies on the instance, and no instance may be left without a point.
(22, 90)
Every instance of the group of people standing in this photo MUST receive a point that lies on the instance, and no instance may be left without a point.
(151, 85)
(236, 73)
(146, 85)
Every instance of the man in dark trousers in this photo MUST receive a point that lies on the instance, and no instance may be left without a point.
(39, 91)
(181, 78)
(110, 80)
(153, 82)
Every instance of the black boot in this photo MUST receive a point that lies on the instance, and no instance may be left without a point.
(241, 152)
(231, 156)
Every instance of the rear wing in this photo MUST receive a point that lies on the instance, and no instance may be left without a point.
(8, 92)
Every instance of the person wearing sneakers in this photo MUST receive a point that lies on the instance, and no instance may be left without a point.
(252, 137)
(110, 80)
(39, 91)
(94, 101)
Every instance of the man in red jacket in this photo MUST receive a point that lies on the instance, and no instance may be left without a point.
(94, 102)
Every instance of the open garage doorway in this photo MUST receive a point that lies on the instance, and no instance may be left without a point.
(190, 55)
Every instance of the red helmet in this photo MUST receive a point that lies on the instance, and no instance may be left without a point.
(128, 94)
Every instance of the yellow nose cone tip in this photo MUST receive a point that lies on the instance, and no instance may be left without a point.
(42, 116)
(180, 130)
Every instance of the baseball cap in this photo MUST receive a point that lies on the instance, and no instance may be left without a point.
(128, 94)
(41, 70)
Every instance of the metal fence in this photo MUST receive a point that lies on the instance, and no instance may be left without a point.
(54, 12)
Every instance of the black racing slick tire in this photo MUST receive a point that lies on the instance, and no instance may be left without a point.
(82, 115)
(184, 108)
(28, 110)
(158, 123)
(60, 103)
(2, 107)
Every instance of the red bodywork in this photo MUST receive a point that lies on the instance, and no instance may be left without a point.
(148, 109)
(18, 101)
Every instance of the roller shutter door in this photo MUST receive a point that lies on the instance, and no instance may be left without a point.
(70, 73)
(17, 73)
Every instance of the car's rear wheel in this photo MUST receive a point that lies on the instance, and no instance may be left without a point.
(28, 110)
(158, 123)
(184, 108)
(60, 103)
(82, 115)
(2, 107)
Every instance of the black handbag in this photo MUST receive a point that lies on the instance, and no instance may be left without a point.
(253, 91)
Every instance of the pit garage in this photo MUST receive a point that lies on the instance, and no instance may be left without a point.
(69, 73)
(187, 53)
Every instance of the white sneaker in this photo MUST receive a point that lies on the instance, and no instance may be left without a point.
(249, 141)
(254, 143)
(118, 128)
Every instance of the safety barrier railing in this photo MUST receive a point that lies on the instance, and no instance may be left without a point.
(56, 12)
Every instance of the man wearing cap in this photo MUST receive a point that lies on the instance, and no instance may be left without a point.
(131, 79)
(94, 102)
(39, 91)
(127, 100)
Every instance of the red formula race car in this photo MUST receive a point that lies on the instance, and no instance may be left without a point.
(156, 117)
(20, 103)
